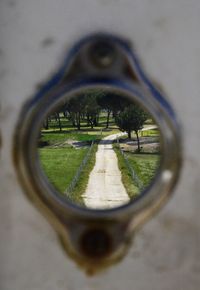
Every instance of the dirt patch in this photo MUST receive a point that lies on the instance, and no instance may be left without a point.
(70, 143)
(148, 145)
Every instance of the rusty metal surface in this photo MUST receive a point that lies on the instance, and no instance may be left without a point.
(165, 254)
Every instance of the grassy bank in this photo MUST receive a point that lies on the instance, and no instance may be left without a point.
(127, 180)
(80, 188)
(60, 164)
(145, 165)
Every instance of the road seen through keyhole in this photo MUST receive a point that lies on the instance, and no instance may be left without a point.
(97, 152)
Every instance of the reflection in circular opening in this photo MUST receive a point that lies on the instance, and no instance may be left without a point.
(99, 149)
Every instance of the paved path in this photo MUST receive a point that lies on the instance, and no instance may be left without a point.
(105, 188)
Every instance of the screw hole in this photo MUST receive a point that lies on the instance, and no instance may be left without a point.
(96, 243)
(102, 54)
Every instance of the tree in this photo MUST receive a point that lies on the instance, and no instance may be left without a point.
(91, 109)
(75, 108)
(107, 102)
(132, 118)
(46, 123)
(112, 103)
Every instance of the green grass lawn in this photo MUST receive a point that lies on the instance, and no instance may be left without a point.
(145, 165)
(60, 165)
(150, 133)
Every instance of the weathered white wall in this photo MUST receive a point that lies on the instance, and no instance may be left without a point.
(34, 34)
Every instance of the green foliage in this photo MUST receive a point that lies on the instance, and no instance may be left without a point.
(92, 109)
(112, 103)
(132, 118)
(75, 107)
(86, 108)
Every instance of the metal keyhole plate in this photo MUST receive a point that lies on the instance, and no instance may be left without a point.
(97, 237)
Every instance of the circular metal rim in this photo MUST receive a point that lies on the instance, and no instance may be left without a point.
(24, 147)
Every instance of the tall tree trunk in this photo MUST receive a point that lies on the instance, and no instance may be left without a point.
(108, 118)
(97, 120)
(73, 122)
(79, 121)
(88, 119)
(92, 125)
(138, 141)
(91, 121)
(59, 122)
(129, 134)
(46, 124)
